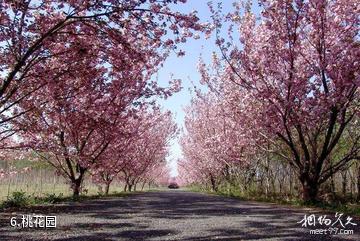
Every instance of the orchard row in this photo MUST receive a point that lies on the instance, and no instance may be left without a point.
(283, 97)
(77, 89)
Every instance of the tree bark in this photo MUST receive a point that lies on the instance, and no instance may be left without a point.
(310, 189)
(143, 185)
(290, 183)
(213, 183)
(76, 183)
(107, 188)
(76, 186)
(310, 193)
(344, 182)
(332, 181)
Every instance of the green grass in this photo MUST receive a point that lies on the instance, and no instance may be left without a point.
(347, 208)
(41, 181)
(156, 189)
(29, 192)
(21, 199)
(42, 186)
(47, 189)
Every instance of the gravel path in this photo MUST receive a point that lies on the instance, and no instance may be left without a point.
(171, 215)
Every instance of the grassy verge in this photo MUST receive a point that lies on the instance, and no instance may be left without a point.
(346, 208)
(33, 189)
(20, 199)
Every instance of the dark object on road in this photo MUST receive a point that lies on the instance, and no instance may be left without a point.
(173, 186)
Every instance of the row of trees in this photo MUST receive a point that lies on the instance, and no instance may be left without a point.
(76, 84)
(139, 156)
(287, 95)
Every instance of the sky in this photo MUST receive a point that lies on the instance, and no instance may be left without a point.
(185, 68)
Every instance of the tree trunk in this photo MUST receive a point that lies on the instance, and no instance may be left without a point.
(267, 185)
(290, 183)
(260, 184)
(332, 181)
(281, 191)
(107, 188)
(76, 182)
(213, 183)
(267, 173)
(344, 182)
(310, 188)
(76, 186)
(125, 187)
(143, 185)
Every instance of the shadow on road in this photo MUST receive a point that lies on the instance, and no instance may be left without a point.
(172, 215)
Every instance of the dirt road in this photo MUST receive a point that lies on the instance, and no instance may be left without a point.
(173, 215)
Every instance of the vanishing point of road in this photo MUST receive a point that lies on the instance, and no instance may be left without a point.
(171, 215)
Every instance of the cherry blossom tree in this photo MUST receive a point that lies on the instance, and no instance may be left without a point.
(75, 125)
(41, 41)
(158, 175)
(113, 160)
(214, 141)
(150, 148)
(138, 152)
(72, 128)
(299, 61)
(72, 71)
